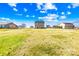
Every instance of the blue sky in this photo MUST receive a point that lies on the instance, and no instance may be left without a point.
(51, 13)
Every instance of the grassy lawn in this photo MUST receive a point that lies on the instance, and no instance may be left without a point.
(39, 42)
(10, 40)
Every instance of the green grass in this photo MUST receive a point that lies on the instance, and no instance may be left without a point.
(39, 42)
(10, 40)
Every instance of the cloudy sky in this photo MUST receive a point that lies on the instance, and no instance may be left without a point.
(51, 13)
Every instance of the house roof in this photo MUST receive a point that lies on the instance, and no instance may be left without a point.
(68, 23)
(5, 23)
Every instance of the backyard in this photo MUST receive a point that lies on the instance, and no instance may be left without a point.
(39, 42)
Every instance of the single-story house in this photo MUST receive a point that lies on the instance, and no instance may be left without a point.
(66, 25)
(8, 25)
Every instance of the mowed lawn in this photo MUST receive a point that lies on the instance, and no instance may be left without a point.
(39, 42)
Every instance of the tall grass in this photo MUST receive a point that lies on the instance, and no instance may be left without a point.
(39, 42)
(10, 40)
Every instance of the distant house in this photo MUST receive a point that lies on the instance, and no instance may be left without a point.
(56, 26)
(8, 25)
(31, 26)
(22, 26)
(39, 24)
(66, 25)
(48, 26)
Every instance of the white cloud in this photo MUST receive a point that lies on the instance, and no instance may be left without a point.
(12, 4)
(46, 6)
(53, 15)
(75, 5)
(62, 13)
(25, 9)
(5, 19)
(49, 6)
(42, 11)
(63, 17)
(39, 5)
(68, 13)
(27, 15)
(33, 16)
(2, 18)
(15, 9)
(40, 17)
(50, 17)
(69, 6)
(46, 18)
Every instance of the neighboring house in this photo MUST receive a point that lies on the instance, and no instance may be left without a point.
(39, 24)
(31, 26)
(56, 26)
(8, 25)
(66, 25)
(48, 26)
(22, 26)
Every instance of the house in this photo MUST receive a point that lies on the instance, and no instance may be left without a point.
(56, 26)
(39, 24)
(66, 25)
(31, 26)
(9, 25)
(48, 26)
(22, 26)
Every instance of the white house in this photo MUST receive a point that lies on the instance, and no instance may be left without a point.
(66, 25)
